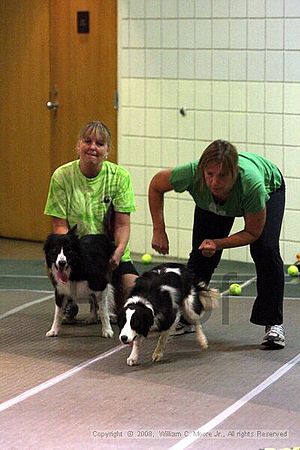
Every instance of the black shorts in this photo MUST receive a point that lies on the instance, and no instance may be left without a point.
(123, 268)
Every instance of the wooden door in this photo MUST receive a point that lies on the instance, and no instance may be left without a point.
(43, 58)
(83, 72)
(24, 120)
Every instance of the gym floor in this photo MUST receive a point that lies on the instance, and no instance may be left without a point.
(76, 391)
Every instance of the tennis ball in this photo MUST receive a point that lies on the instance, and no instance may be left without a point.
(146, 258)
(293, 271)
(235, 289)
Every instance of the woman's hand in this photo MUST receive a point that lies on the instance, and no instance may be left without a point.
(208, 247)
(160, 242)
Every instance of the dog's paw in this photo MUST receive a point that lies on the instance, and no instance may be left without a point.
(157, 356)
(107, 333)
(52, 333)
(131, 361)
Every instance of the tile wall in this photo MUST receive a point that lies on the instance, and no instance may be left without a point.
(234, 65)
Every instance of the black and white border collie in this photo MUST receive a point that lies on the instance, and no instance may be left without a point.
(78, 269)
(157, 301)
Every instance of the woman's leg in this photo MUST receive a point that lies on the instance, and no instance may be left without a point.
(268, 306)
(207, 225)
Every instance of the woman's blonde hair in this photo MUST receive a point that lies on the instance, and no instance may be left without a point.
(220, 152)
(99, 129)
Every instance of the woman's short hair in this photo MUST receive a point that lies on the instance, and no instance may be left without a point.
(99, 129)
(220, 152)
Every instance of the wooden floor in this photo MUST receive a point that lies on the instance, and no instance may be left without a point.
(76, 391)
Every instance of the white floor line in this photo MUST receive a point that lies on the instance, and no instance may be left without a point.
(23, 276)
(24, 306)
(186, 442)
(58, 379)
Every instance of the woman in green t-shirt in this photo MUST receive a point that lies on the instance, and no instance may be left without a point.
(83, 192)
(225, 185)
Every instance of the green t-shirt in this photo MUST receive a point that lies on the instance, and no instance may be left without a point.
(85, 201)
(257, 178)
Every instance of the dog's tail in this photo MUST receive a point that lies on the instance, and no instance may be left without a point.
(208, 297)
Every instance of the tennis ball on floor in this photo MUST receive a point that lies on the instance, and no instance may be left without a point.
(293, 270)
(235, 289)
(146, 258)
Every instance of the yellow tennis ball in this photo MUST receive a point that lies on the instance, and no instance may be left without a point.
(235, 289)
(146, 258)
(293, 270)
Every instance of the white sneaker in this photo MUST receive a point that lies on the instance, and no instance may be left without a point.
(274, 337)
(182, 328)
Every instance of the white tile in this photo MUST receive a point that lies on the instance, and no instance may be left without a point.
(137, 238)
(292, 200)
(255, 128)
(137, 92)
(153, 152)
(124, 121)
(137, 63)
(238, 34)
(238, 8)
(186, 214)
(203, 64)
(153, 33)
(203, 8)
(220, 65)
(290, 251)
(186, 150)
(291, 228)
(137, 33)
(256, 34)
(274, 154)
(186, 8)
(137, 121)
(153, 122)
(237, 65)
(256, 8)
(237, 127)
(136, 8)
(274, 66)
(124, 33)
(237, 96)
(292, 34)
(169, 123)
(255, 65)
(186, 33)
(169, 62)
(169, 8)
(124, 90)
(203, 33)
(186, 93)
(153, 93)
(291, 162)
(136, 150)
(184, 243)
(169, 153)
(220, 95)
(123, 8)
(292, 66)
(169, 33)
(220, 8)
(171, 212)
(153, 63)
(203, 96)
(274, 8)
(203, 125)
(186, 64)
(274, 34)
(255, 97)
(220, 33)
(186, 126)
(169, 90)
(292, 8)
(173, 243)
(139, 216)
(292, 98)
(292, 130)
(273, 129)
(138, 180)
(153, 8)
(274, 97)
(220, 125)
(124, 63)
(123, 151)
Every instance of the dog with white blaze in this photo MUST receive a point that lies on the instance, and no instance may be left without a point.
(157, 301)
(79, 270)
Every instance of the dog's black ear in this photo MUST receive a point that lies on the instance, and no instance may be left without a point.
(72, 230)
(145, 323)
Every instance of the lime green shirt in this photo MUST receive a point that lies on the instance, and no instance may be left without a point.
(257, 178)
(84, 201)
